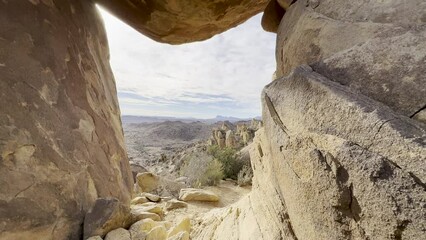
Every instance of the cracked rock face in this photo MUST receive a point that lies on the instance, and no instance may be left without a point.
(376, 48)
(61, 141)
(343, 149)
(183, 21)
(325, 178)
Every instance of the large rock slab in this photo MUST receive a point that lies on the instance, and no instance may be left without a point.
(61, 141)
(182, 21)
(333, 164)
(195, 194)
(375, 48)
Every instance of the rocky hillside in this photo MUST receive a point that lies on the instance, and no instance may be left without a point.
(161, 146)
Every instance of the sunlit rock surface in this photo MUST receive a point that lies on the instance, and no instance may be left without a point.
(319, 177)
(61, 140)
(376, 48)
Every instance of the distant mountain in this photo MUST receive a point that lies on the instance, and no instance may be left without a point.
(127, 119)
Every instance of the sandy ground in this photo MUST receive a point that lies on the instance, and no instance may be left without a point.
(229, 193)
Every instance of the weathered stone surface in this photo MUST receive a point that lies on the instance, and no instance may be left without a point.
(195, 194)
(106, 214)
(174, 204)
(272, 16)
(180, 236)
(140, 229)
(184, 20)
(157, 233)
(355, 172)
(152, 209)
(118, 234)
(375, 48)
(147, 181)
(325, 178)
(135, 168)
(95, 238)
(139, 200)
(184, 225)
(138, 214)
(152, 197)
(61, 141)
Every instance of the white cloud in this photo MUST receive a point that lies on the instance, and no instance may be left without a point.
(230, 68)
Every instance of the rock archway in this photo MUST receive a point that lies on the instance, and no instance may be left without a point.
(341, 155)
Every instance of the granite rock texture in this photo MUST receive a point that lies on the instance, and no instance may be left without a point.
(61, 140)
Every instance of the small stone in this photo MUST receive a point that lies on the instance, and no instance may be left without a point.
(174, 204)
(118, 234)
(152, 197)
(152, 209)
(139, 215)
(139, 200)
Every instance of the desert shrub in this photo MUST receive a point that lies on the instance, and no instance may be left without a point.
(245, 176)
(226, 156)
(213, 174)
(202, 169)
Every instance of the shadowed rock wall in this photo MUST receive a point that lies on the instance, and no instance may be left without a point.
(61, 141)
(183, 21)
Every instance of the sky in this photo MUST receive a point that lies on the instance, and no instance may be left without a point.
(220, 76)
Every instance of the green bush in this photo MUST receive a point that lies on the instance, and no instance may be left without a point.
(202, 170)
(226, 156)
(212, 175)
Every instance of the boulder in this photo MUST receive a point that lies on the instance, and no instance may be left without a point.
(140, 229)
(325, 178)
(152, 197)
(375, 49)
(157, 233)
(178, 22)
(118, 234)
(152, 209)
(139, 200)
(135, 168)
(147, 181)
(61, 140)
(194, 194)
(105, 215)
(139, 214)
(184, 225)
(174, 204)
